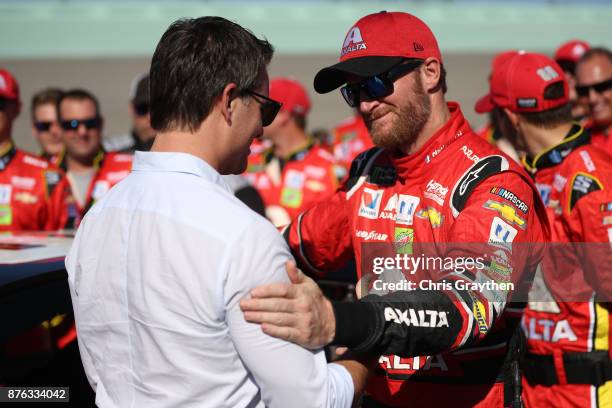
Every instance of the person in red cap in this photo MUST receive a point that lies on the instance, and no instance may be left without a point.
(33, 193)
(490, 132)
(429, 182)
(567, 56)
(567, 362)
(594, 87)
(297, 173)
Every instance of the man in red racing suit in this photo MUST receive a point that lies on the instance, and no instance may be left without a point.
(567, 318)
(449, 339)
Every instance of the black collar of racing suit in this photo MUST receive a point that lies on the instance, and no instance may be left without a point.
(7, 155)
(296, 155)
(576, 137)
(97, 161)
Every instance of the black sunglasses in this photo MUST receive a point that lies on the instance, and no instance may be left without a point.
(377, 86)
(269, 107)
(141, 109)
(600, 87)
(73, 124)
(43, 126)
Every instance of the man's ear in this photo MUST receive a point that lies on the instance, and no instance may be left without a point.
(431, 72)
(229, 94)
(513, 117)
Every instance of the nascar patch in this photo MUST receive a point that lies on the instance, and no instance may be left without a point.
(510, 196)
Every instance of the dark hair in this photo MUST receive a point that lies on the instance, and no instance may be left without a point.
(551, 118)
(194, 61)
(593, 52)
(300, 121)
(79, 95)
(44, 97)
(442, 82)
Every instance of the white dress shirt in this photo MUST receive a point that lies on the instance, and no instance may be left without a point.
(156, 272)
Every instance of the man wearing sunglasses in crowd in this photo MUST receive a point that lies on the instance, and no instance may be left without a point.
(45, 125)
(33, 193)
(429, 180)
(90, 170)
(594, 88)
(142, 134)
(567, 56)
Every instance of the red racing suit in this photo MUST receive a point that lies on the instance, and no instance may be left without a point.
(600, 137)
(290, 186)
(453, 344)
(349, 139)
(110, 168)
(33, 193)
(567, 319)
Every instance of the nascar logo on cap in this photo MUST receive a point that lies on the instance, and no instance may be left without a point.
(353, 42)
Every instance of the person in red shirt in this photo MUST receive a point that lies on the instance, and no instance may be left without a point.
(594, 88)
(297, 173)
(440, 343)
(90, 171)
(349, 139)
(566, 323)
(567, 56)
(33, 193)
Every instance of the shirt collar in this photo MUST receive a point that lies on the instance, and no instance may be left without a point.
(555, 155)
(176, 162)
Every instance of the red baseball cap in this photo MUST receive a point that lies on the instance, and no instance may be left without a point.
(9, 88)
(523, 83)
(571, 51)
(485, 104)
(291, 94)
(375, 44)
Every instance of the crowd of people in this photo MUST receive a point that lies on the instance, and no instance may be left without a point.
(169, 268)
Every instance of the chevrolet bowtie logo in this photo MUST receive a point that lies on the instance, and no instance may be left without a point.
(506, 211)
(434, 216)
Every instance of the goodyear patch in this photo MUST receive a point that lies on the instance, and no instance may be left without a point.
(507, 212)
(404, 237)
(511, 197)
(291, 197)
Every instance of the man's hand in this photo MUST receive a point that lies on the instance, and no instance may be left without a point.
(297, 311)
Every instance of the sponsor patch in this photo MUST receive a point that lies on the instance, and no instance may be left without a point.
(294, 179)
(6, 215)
(586, 159)
(469, 153)
(26, 183)
(559, 182)
(5, 193)
(416, 318)
(499, 268)
(431, 214)
(510, 196)
(544, 190)
(501, 234)
(35, 161)
(315, 171)
(404, 237)
(480, 313)
(371, 235)
(291, 197)
(583, 184)
(607, 220)
(314, 185)
(26, 198)
(353, 42)
(436, 191)
(605, 207)
(527, 102)
(370, 203)
(507, 212)
(406, 206)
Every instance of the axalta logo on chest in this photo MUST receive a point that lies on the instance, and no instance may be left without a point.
(548, 330)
